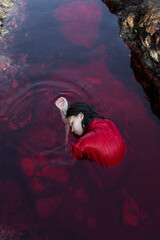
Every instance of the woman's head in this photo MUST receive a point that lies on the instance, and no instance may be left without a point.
(79, 115)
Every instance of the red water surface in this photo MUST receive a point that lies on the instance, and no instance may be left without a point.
(79, 21)
(44, 192)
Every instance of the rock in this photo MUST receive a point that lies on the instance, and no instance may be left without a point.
(6, 3)
(5, 7)
(78, 17)
(79, 214)
(91, 222)
(45, 207)
(55, 173)
(131, 213)
(4, 32)
(28, 166)
(9, 233)
(139, 22)
(81, 195)
(40, 138)
(144, 76)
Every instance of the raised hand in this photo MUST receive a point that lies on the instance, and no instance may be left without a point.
(62, 104)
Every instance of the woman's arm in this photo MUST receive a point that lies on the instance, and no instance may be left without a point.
(62, 104)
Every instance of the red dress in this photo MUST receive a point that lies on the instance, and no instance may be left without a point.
(102, 143)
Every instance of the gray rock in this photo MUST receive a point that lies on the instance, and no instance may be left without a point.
(5, 7)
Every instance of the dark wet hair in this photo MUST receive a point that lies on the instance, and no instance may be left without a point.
(86, 109)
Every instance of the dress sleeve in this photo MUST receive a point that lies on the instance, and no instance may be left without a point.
(78, 150)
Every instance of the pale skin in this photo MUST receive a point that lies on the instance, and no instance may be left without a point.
(73, 122)
(62, 104)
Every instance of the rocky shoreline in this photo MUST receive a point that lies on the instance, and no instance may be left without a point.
(139, 22)
(5, 7)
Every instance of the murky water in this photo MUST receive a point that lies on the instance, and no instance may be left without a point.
(72, 48)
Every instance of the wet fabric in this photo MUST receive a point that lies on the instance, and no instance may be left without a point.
(102, 144)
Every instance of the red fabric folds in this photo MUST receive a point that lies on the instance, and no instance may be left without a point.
(102, 144)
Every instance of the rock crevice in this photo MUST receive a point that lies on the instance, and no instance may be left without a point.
(139, 22)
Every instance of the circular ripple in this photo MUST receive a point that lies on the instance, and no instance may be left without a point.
(45, 133)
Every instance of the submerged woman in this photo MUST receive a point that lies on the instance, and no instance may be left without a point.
(99, 138)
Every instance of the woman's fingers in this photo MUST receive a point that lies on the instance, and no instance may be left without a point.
(62, 103)
(59, 103)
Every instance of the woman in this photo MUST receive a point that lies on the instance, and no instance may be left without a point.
(99, 138)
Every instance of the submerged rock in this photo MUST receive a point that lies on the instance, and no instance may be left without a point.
(79, 17)
(5, 7)
(9, 233)
(139, 22)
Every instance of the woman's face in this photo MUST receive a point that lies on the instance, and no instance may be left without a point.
(75, 123)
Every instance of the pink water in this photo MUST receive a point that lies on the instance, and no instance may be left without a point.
(72, 48)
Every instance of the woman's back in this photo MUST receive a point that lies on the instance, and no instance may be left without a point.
(101, 143)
